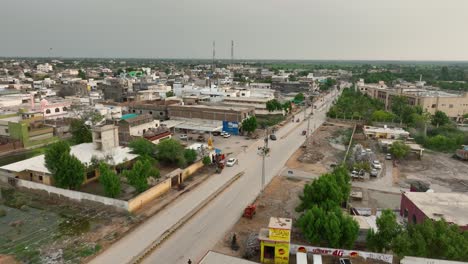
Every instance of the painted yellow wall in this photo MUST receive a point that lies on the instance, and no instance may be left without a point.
(192, 169)
(150, 194)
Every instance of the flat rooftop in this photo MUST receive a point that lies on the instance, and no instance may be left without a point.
(452, 207)
(217, 258)
(83, 152)
(214, 107)
(385, 129)
(280, 223)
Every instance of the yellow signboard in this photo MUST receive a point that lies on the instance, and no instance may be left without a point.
(282, 253)
(280, 234)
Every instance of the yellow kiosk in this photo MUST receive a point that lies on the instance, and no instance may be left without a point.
(275, 240)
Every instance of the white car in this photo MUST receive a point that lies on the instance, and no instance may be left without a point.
(183, 136)
(376, 164)
(231, 162)
(226, 135)
(223, 133)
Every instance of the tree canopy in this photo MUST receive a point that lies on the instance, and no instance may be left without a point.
(81, 133)
(53, 155)
(139, 174)
(190, 155)
(109, 180)
(399, 149)
(440, 119)
(273, 105)
(171, 151)
(142, 147)
(250, 124)
(299, 97)
(430, 239)
(328, 227)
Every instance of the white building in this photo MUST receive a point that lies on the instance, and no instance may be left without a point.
(46, 67)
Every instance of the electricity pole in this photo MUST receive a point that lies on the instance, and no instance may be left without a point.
(265, 151)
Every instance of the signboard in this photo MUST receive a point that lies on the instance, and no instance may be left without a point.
(280, 234)
(231, 127)
(342, 253)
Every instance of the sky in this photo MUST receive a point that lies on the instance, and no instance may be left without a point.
(261, 29)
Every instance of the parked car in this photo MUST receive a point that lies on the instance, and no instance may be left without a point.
(223, 133)
(376, 164)
(226, 135)
(216, 133)
(273, 137)
(201, 138)
(345, 261)
(374, 173)
(183, 136)
(388, 156)
(231, 162)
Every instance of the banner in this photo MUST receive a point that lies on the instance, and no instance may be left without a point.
(341, 253)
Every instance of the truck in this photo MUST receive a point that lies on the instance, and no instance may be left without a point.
(462, 153)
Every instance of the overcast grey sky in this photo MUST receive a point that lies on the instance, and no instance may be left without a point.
(261, 29)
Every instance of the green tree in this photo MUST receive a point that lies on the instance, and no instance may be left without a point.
(190, 155)
(388, 230)
(328, 191)
(273, 105)
(139, 174)
(440, 119)
(432, 239)
(383, 116)
(399, 103)
(329, 228)
(142, 147)
(70, 173)
(54, 153)
(170, 94)
(206, 160)
(82, 74)
(109, 180)
(171, 151)
(250, 124)
(299, 97)
(399, 149)
(287, 107)
(81, 133)
(444, 74)
(167, 71)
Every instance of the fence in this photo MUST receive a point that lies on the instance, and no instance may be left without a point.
(74, 195)
(154, 192)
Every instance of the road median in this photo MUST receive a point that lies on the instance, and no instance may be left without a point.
(140, 257)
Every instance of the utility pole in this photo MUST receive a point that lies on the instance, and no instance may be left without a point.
(265, 151)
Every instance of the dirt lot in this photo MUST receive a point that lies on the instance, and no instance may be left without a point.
(323, 148)
(441, 171)
(279, 199)
(40, 229)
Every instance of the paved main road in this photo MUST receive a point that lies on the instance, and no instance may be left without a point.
(201, 232)
(209, 225)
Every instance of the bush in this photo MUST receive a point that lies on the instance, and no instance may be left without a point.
(190, 156)
(206, 160)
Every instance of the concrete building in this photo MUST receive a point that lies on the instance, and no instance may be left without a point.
(156, 108)
(28, 128)
(54, 108)
(116, 90)
(109, 112)
(419, 206)
(133, 125)
(105, 145)
(212, 112)
(431, 99)
(258, 103)
(46, 67)
(385, 132)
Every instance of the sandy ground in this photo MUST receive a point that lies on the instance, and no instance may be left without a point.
(322, 150)
(441, 171)
(279, 199)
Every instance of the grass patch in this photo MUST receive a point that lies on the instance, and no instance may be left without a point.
(269, 120)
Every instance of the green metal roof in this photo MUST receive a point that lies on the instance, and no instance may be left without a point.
(128, 116)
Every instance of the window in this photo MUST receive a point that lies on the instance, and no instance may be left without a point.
(405, 213)
(433, 106)
(6, 130)
(450, 105)
(64, 108)
(40, 178)
(57, 110)
(133, 110)
(414, 219)
(150, 112)
(161, 113)
(141, 112)
(31, 176)
(269, 252)
(47, 111)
